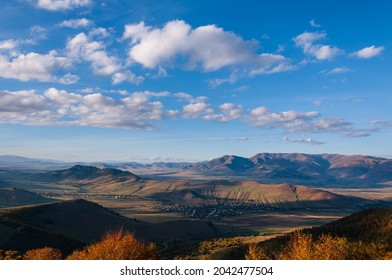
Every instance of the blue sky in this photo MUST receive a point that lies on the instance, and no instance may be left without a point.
(193, 80)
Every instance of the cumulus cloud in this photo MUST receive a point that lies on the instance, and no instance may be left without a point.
(195, 110)
(368, 52)
(295, 121)
(334, 125)
(208, 48)
(228, 112)
(307, 42)
(76, 23)
(83, 47)
(7, 45)
(39, 67)
(263, 117)
(59, 107)
(126, 76)
(61, 5)
(189, 98)
(303, 141)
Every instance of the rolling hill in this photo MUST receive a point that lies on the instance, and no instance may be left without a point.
(369, 229)
(275, 195)
(369, 225)
(12, 197)
(90, 179)
(70, 224)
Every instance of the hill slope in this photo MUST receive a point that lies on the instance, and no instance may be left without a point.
(69, 224)
(369, 228)
(278, 195)
(370, 225)
(11, 197)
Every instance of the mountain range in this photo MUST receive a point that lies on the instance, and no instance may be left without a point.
(318, 170)
(324, 170)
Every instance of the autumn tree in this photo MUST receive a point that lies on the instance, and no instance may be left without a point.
(300, 247)
(255, 252)
(45, 253)
(116, 246)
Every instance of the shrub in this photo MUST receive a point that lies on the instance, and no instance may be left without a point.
(116, 246)
(45, 253)
(255, 252)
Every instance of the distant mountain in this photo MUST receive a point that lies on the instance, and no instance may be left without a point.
(135, 166)
(29, 164)
(70, 224)
(82, 174)
(312, 170)
(318, 170)
(12, 197)
(17, 159)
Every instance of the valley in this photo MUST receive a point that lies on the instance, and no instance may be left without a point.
(72, 201)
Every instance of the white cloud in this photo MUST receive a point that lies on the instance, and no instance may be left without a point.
(295, 121)
(7, 45)
(263, 117)
(307, 42)
(127, 76)
(303, 141)
(208, 48)
(368, 52)
(334, 125)
(83, 47)
(76, 23)
(229, 112)
(58, 107)
(37, 32)
(313, 23)
(59, 5)
(189, 98)
(39, 67)
(195, 110)
(337, 70)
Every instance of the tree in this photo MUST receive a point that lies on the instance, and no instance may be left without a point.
(300, 247)
(116, 246)
(255, 252)
(45, 253)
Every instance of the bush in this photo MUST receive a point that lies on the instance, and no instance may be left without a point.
(45, 253)
(302, 247)
(255, 252)
(10, 255)
(116, 246)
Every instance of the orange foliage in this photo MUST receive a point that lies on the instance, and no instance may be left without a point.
(255, 252)
(302, 247)
(45, 253)
(116, 246)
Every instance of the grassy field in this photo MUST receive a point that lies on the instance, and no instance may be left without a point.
(281, 222)
(269, 223)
